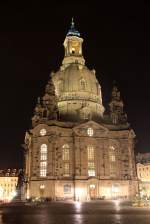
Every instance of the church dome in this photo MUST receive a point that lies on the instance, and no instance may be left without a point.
(77, 89)
(77, 78)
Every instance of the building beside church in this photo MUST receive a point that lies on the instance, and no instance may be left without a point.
(75, 149)
(8, 184)
(143, 173)
(143, 158)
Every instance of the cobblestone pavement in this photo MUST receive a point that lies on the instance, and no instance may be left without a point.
(99, 212)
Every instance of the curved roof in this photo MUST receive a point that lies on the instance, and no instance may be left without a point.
(76, 77)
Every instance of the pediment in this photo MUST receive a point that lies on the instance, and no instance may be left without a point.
(36, 129)
(98, 129)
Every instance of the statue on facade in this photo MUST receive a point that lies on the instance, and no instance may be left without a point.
(46, 107)
(116, 107)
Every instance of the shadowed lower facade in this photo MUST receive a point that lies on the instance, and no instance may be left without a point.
(75, 149)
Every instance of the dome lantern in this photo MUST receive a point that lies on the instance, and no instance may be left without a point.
(73, 47)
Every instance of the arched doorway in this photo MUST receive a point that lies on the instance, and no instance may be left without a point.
(92, 191)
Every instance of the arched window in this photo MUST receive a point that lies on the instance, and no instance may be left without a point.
(65, 152)
(73, 50)
(82, 84)
(85, 113)
(43, 160)
(112, 153)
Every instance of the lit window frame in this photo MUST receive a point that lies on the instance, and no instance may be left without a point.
(91, 161)
(90, 132)
(66, 169)
(82, 84)
(90, 152)
(43, 152)
(43, 160)
(65, 152)
(43, 168)
(43, 132)
(91, 169)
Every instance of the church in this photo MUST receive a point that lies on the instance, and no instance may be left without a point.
(76, 149)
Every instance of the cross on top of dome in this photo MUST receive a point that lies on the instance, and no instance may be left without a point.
(72, 31)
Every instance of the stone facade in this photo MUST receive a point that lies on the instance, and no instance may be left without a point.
(143, 173)
(75, 150)
(8, 184)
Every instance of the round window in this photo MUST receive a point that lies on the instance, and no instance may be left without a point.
(43, 132)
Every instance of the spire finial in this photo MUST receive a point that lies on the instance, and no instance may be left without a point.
(72, 31)
(72, 23)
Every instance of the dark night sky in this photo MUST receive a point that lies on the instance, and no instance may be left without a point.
(116, 45)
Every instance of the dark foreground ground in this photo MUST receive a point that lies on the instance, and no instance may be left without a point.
(100, 212)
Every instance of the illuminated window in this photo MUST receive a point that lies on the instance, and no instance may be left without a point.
(85, 113)
(90, 152)
(42, 186)
(65, 152)
(43, 160)
(112, 159)
(43, 155)
(112, 156)
(43, 169)
(82, 84)
(90, 132)
(43, 132)
(91, 169)
(73, 50)
(90, 158)
(66, 169)
(65, 158)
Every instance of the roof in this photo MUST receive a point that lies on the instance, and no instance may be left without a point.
(9, 172)
(72, 31)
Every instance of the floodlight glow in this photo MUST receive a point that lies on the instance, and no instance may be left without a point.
(78, 205)
(79, 192)
(117, 204)
(1, 193)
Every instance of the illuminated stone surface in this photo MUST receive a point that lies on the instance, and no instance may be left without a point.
(8, 184)
(79, 164)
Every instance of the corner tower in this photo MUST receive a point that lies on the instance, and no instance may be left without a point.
(77, 88)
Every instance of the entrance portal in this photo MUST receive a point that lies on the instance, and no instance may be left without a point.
(115, 191)
(92, 191)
